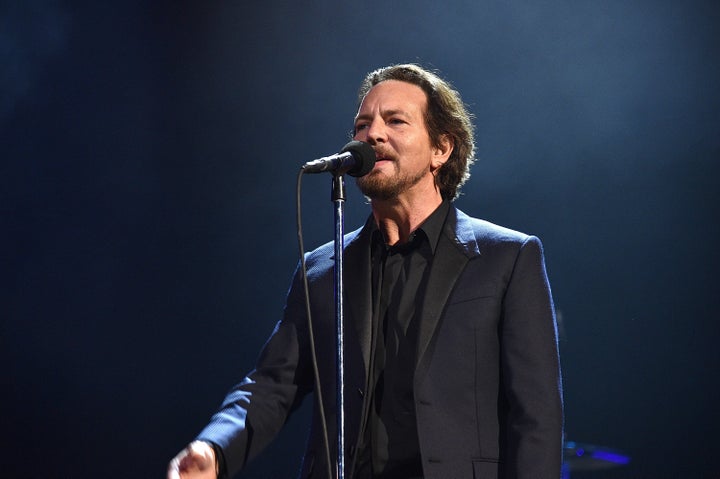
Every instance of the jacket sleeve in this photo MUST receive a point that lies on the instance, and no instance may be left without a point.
(531, 369)
(255, 410)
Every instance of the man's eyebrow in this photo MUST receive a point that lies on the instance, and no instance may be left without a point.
(384, 114)
(364, 116)
(394, 112)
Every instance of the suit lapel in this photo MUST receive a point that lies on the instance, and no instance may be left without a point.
(455, 247)
(358, 310)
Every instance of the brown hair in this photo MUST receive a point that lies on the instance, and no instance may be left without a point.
(446, 115)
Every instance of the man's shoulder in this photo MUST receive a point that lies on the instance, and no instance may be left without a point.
(485, 231)
(479, 237)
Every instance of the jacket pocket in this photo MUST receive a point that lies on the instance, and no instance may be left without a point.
(470, 291)
(485, 469)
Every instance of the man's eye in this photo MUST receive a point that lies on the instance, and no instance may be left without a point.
(395, 121)
(360, 126)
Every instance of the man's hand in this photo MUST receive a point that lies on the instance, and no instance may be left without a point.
(197, 461)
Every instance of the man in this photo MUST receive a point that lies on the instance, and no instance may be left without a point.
(451, 354)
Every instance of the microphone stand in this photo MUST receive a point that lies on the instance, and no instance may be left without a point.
(338, 198)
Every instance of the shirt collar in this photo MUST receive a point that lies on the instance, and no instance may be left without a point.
(433, 225)
(431, 228)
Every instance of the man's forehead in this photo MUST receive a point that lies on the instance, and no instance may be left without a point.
(394, 96)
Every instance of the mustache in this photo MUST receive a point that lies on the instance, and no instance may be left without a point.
(382, 154)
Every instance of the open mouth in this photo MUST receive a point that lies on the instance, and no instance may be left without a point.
(381, 160)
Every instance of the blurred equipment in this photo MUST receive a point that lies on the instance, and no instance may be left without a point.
(587, 457)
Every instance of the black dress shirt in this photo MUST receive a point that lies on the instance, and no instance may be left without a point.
(390, 448)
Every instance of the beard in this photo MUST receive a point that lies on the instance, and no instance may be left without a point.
(376, 186)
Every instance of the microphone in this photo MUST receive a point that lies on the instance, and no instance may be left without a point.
(356, 159)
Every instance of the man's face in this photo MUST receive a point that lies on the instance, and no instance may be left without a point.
(391, 118)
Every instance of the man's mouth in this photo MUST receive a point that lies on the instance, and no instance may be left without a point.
(379, 156)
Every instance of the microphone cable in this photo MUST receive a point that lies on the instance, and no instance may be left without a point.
(311, 335)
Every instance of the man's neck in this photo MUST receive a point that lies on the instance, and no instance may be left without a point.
(399, 217)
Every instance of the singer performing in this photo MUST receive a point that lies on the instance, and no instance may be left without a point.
(451, 360)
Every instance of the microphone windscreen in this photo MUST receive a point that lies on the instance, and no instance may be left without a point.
(364, 157)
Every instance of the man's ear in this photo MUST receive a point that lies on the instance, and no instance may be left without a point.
(442, 151)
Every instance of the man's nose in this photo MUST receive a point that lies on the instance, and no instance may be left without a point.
(376, 132)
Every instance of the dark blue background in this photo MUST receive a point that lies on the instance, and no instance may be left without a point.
(148, 160)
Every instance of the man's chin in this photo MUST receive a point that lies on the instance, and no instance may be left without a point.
(377, 190)
(372, 185)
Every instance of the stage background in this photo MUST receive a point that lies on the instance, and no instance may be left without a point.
(149, 152)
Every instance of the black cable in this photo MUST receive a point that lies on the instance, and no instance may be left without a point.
(311, 335)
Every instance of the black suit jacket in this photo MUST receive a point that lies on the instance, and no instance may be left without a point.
(487, 385)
